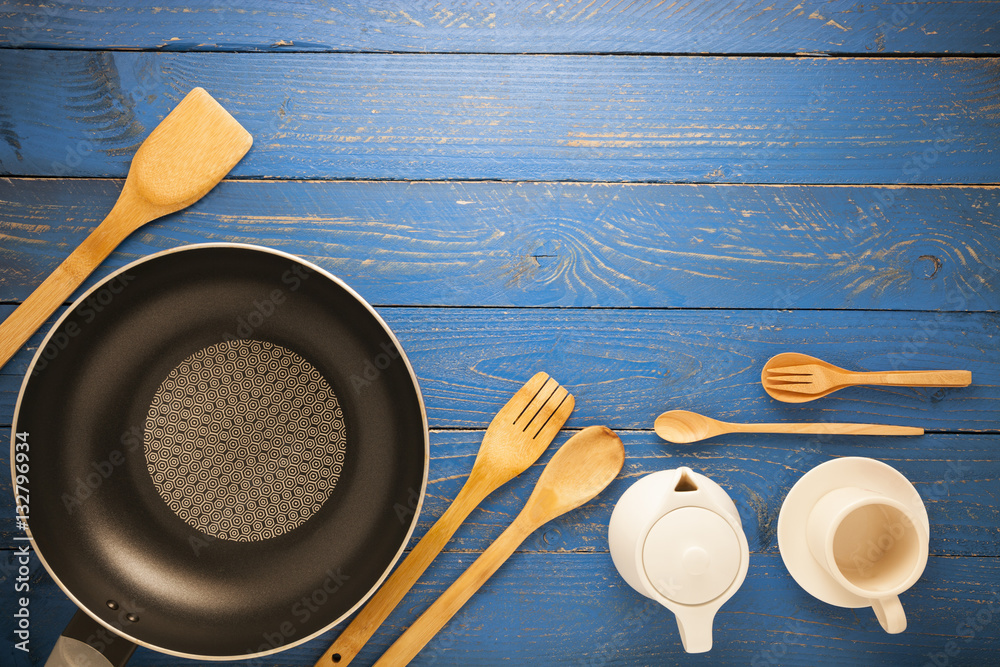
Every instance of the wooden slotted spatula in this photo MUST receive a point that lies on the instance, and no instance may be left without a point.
(580, 470)
(516, 437)
(184, 157)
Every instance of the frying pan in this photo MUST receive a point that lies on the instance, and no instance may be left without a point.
(228, 453)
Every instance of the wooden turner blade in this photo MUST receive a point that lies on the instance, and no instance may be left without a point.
(184, 157)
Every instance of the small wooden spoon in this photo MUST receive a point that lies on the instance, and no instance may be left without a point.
(581, 469)
(683, 427)
(797, 378)
(517, 436)
(183, 158)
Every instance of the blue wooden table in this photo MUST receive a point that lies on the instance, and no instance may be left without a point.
(646, 200)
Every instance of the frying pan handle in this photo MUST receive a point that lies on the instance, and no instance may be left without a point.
(85, 643)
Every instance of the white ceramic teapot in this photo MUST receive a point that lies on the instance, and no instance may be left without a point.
(676, 537)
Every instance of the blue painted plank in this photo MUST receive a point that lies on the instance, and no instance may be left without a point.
(562, 244)
(576, 26)
(592, 118)
(574, 609)
(626, 366)
(956, 475)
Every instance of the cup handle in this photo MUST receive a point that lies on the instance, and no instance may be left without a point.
(890, 615)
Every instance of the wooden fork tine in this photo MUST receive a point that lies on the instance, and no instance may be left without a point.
(795, 379)
(529, 409)
(531, 387)
(553, 415)
(541, 407)
(804, 369)
(801, 388)
(519, 402)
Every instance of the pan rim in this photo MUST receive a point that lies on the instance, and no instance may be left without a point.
(313, 267)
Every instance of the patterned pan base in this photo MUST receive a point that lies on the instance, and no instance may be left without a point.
(245, 440)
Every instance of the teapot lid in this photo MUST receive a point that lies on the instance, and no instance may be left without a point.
(691, 555)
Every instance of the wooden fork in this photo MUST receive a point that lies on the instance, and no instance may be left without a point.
(797, 378)
(516, 437)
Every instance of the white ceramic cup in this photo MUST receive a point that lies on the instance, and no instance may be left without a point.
(871, 545)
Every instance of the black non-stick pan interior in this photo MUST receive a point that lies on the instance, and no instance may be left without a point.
(231, 513)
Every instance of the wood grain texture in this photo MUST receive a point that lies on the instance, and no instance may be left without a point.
(648, 281)
(626, 366)
(577, 26)
(601, 621)
(510, 117)
(562, 244)
(954, 474)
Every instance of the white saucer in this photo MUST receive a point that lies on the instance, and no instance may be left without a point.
(848, 471)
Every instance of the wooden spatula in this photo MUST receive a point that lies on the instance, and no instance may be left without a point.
(184, 157)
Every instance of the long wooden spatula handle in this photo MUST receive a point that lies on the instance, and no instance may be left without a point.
(67, 277)
(350, 642)
(438, 614)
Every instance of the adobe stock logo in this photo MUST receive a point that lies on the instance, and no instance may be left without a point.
(262, 309)
(84, 314)
(374, 366)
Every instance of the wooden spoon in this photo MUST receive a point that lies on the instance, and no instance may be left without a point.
(797, 378)
(683, 427)
(517, 436)
(183, 158)
(581, 469)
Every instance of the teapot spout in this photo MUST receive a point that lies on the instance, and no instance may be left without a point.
(695, 627)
